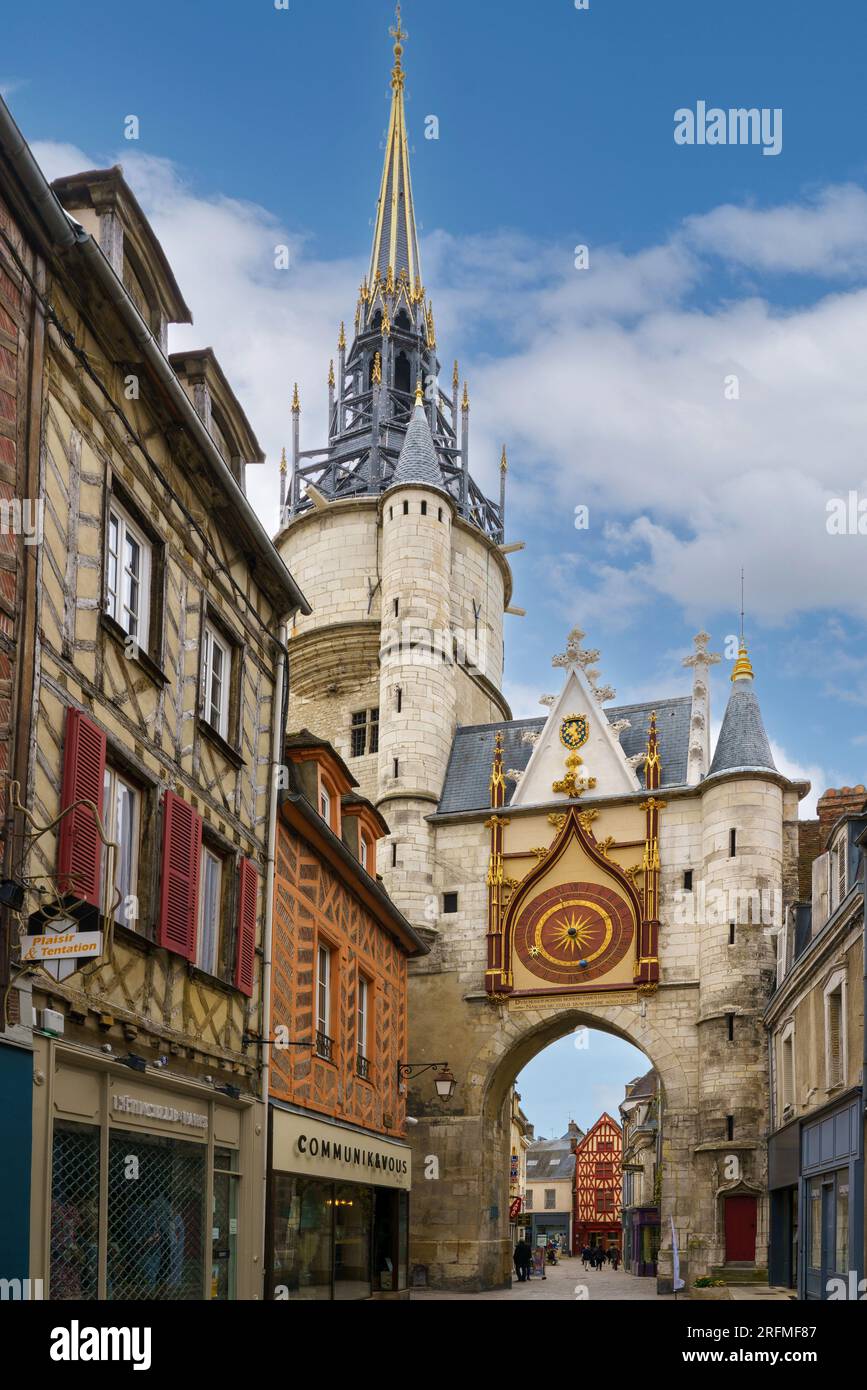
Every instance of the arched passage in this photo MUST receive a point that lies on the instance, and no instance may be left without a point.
(466, 1206)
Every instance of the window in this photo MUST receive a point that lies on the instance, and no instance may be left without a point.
(528, 1199)
(838, 872)
(406, 509)
(128, 575)
(604, 1203)
(731, 933)
(835, 1031)
(396, 762)
(733, 843)
(687, 880)
(394, 854)
(216, 675)
(730, 1126)
(450, 903)
(364, 734)
(399, 699)
(362, 1063)
(363, 851)
(210, 902)
(787, 1069)
(424, 508)
(605, 1170)
(730, 1027)
(550, 1198)
(439, 513)
(325, 803)
(323, 1002)
(121, 807)
(397, 607)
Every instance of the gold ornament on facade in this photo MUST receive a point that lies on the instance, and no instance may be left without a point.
(586, 819)
(558, 818)
(574, 784)
(331, 378)
(604, 846)
(377, 370)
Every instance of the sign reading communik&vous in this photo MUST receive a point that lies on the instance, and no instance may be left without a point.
(305, 1145)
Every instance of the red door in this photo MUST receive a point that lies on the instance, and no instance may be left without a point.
(740, 1220)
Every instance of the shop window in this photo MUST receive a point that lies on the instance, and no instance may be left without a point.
(121, 810)
(224, 1248)
(210, 912)
(156, 1222)
(353, 1227)
(324, 963)
(74, 1212)
(129, 563)
(216, 680)
(841, 1218)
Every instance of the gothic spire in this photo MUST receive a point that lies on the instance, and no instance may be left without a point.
(395, 240)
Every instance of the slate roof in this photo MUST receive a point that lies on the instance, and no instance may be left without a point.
(418, 461)
(468, 775)
(554, 1160)
(742, 741)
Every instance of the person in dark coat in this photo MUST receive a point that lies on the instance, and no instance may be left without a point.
(615, 1258)
(523, 1257)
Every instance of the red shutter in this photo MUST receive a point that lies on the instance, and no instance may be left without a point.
(79, 854)
(249, 886)
(179, 890)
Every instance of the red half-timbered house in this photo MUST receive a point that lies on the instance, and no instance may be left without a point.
(598, 1166)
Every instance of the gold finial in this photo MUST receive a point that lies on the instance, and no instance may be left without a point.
(431, 330)
(456, 376)
(465, 403)
(386, 321)
(398, 33)
(296, 401)
(419, 393)
(743, 667)
(341, 341)
(377, 370)
(331, 381)
(283, 464)
(389, 280)
(504, 462)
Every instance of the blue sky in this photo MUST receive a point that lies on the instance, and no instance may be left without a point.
(261, 126)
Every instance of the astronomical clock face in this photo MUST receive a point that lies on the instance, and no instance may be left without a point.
(573, 933)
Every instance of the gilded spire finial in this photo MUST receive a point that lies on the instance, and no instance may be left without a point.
(743, 670)
(398, 33)
(341, 341)
(377, 370)
(296, 401)
(283, 464)
(456, 376)
(419, 392)
(331, 379)
(465, 403)
(504, 462)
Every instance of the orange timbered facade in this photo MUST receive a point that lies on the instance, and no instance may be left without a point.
(598, 1185)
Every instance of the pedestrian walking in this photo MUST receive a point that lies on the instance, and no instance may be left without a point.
(615, 1258)
(523, 1257)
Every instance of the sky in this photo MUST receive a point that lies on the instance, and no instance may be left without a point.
(700, 385)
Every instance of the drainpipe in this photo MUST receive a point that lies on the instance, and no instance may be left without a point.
(278, 724)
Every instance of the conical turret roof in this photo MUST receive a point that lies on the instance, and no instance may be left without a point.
(418, 462)
(742, 741)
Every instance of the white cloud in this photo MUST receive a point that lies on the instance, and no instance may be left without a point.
(608, 386)
(801, 772)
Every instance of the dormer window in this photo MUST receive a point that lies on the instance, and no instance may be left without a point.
(363, 851)
(325, 804)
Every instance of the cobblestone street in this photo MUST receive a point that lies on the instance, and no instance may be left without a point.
(567, 1280)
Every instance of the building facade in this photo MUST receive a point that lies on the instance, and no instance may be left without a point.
(816, 1027)
(521, 1137)
(550, 1188)
(340, 1169)
(664, 855)
(598, 1187)
(143, 805)
(640, 1121)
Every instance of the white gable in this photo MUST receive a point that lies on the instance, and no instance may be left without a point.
(602, 756)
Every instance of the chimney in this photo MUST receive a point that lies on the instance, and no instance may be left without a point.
(844, 801)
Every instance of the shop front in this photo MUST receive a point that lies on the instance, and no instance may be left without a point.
(641, 1239)
(784, 1155)
(150, 1186)
(832, 1202)
(337, 1225)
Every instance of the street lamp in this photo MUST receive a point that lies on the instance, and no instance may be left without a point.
(444, 1080)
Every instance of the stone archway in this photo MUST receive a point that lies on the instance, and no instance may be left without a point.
(460, 1212)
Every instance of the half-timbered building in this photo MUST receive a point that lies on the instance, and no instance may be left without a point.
(142, 811)
(598, 1178)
